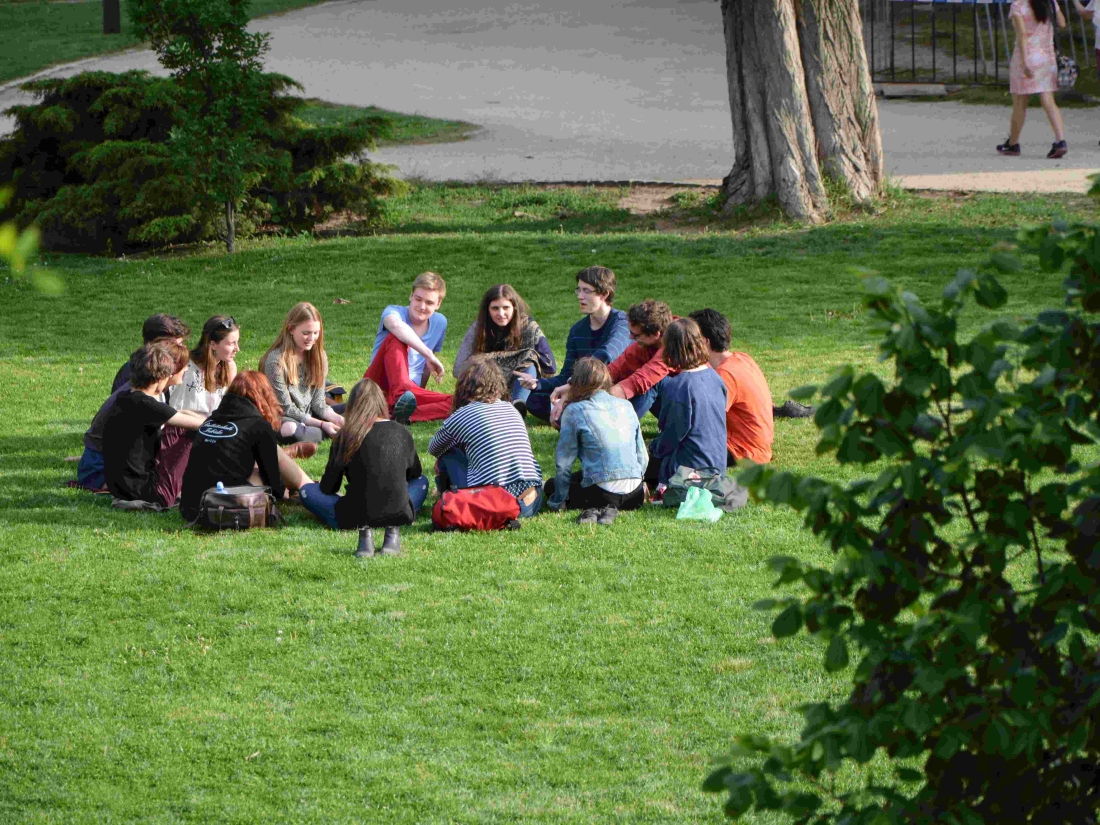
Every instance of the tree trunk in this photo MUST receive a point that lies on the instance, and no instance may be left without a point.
(230, 227)
(802, 104)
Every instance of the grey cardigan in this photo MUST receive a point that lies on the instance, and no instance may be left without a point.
(299, 401)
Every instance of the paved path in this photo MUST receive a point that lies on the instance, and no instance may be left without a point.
(609, 90)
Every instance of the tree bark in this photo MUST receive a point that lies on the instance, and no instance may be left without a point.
(230, 227)
(801, 103)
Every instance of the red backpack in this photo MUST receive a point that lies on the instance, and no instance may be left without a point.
(475, 508)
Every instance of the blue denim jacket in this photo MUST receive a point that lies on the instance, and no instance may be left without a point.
(603, 431)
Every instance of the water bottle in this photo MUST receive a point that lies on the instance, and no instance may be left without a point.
(221, 487)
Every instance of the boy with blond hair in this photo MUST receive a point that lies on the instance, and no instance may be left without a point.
(405, 350)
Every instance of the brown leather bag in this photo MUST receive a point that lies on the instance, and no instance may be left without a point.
(237, 508)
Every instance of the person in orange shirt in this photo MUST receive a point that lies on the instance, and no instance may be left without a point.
(750, 428)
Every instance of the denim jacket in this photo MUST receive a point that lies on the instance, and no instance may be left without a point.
(603, 431)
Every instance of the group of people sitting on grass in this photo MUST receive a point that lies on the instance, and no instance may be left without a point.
(180, 421)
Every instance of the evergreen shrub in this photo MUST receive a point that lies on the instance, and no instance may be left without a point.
(91, 165)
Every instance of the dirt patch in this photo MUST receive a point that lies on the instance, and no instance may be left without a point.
(647, 199)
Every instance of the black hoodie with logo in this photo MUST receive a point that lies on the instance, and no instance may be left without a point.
(227, 446)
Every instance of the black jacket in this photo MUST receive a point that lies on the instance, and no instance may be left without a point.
(232, 440)
(378, 478)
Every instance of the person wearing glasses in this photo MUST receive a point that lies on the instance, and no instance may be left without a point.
(603, 333)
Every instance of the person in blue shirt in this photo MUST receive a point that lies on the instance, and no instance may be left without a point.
(405, 350)
(603, 333)
(693, 408)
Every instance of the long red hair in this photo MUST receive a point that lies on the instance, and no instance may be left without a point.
(256, 388)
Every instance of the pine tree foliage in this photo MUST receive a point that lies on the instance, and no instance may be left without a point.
(93, 167)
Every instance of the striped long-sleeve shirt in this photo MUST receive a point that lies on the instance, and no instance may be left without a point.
(496, 443)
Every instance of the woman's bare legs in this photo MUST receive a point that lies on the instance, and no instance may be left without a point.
(1054, 115)
(1019, 115)
(292, 475)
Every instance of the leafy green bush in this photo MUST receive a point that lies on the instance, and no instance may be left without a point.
(966, 588)
(91, 165)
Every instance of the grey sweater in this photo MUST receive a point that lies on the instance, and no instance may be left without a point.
(298, 401)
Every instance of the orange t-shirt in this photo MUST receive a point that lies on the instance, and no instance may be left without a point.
(750, 428)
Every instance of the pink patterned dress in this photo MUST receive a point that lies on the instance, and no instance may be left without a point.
(1040, 54)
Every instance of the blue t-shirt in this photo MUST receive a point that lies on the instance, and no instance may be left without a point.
(692, 423)
(437, 329)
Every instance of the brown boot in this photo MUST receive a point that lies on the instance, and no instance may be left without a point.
(301, 449)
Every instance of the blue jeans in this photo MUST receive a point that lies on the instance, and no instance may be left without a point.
(648, 401)
(451, 469)
(538, 404)
(89, 472)
(520, 392)
(323, 506)
(528, 510)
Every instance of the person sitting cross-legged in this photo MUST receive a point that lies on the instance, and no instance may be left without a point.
(603, 432)
(484, 441)
(405, 353)
(636, 374)
(139, 474)
(385, 484)
(237, 445)
(750, 427)
(506, 332)
(296, 366)
(693, 409)
(603, 333)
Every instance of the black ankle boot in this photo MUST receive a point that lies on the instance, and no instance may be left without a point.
(391, 544)
(366, 543)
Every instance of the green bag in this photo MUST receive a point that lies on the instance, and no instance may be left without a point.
(726, 494)
(698, 506)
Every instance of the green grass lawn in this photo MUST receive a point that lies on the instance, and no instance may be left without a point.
(558, 673)
(35, 34)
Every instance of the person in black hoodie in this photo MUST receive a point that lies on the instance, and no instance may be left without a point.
(237, 445)
(386, 484)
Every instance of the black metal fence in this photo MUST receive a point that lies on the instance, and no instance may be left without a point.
(953, 41)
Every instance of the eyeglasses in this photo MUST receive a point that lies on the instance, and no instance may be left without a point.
(229, 322)
(587, 293)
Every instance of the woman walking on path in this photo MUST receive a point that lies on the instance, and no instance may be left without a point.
(506, 333)
(1034, 70)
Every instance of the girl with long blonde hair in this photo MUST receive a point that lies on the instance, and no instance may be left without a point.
(385, 483)
(296, 366)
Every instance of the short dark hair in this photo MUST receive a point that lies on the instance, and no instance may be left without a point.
(601, 279)
(685, 348)
(155, 361)
(163, 326)
(651, 316)
(715, 328)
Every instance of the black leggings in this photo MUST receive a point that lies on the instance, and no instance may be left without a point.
(596, 497)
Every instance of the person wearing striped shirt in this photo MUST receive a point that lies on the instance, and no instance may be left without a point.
(603, 333)
(484, 441)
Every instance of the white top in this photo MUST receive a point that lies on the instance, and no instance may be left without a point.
(191, 394)
(621, 486)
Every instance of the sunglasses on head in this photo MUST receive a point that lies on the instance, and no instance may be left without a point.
(229, 322)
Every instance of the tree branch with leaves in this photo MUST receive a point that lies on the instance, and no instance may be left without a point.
(966, 582)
